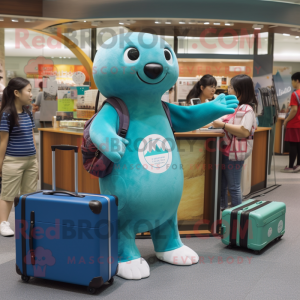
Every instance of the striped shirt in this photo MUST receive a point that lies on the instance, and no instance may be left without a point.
(20, 141)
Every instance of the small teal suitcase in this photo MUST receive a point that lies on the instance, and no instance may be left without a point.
(253, 224)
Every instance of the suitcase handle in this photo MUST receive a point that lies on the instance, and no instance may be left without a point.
(65, 148)
(61, 192)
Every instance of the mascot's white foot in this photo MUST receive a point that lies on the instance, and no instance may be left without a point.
(183, 256)
(134, 269)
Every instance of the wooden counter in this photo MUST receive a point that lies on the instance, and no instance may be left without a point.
(198, 211)
(279, 136)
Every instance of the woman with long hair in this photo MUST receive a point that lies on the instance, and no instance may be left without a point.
(240, 125)
(18, 159)
(204, 89)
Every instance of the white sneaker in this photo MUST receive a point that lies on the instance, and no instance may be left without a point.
(5, 229)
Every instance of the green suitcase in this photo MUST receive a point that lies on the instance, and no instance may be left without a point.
(253, 224)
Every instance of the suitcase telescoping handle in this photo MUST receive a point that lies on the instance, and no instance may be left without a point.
(65, 148)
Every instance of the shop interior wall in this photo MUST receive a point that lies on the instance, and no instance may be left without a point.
(294, 65)
(2, 58)
(17, 64)
(192, 69)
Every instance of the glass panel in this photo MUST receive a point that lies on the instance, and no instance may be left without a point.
(262, 44)
(216, 45)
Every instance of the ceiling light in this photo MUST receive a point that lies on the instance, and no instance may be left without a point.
(294, 29)
(192, 22)
(297, 37)
(217, 23)
(84, 21)
(157, 22)
(69, 57)
(96, 23)
(64, 57)
(52, 56)
(258, 26)
(229, 24)
(14, 20)
(28, 20)
(286, 34)
(206, 23)
(1, 19)
(273, 26)
(181, 22)
(60, 57)
(121, 23)
(168, 22)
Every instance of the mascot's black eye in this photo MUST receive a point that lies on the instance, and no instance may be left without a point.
(133, 54)
(168, 55)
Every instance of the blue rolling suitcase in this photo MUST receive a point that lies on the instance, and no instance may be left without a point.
(66, 236)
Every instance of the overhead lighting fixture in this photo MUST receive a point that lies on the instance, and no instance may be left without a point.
(60, 57)
(297, 37)
(121, 23)
(64, 57)
(258, 26)
(294, 29)
(168, 22)
(84, 21)
(157, 22)
(228, 24)
(181, 22)
(217, 23)
(96, 23)
(192, 22)
(1, 19)
(273, 26)
(52, 56)
(29, 20)
(286, 34)
(69, 57)
(206, 23)
(14, 20)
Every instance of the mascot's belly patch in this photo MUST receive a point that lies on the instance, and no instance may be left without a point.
(155, 153)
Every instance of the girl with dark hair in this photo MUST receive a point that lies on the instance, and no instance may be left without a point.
(238, 141)
(18, 160)
(204, 89)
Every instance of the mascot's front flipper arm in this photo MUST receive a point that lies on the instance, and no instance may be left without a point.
(188, 118)
(106, 139)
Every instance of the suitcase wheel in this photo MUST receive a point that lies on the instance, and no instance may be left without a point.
(257, 252)
(91, 290)
(25, 278)
(278, 238)
(111, 281)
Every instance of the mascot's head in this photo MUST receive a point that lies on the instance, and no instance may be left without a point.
(135, 64)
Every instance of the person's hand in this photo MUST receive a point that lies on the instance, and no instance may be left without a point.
(226, 104)
(285, 123)
(217, 124)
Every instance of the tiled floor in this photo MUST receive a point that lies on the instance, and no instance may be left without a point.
(222, 274)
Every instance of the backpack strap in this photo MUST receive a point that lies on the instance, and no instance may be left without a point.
(123, 114)
(167, 111)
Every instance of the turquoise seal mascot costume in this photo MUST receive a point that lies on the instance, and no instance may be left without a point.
(147, 176)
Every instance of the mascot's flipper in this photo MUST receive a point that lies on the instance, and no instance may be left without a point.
(183, 256)
(134, 269)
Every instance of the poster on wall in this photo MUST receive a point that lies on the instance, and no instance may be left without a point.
(283, 86)
(184, 85)
(261, 82)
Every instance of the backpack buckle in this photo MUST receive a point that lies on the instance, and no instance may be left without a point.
(123, 132)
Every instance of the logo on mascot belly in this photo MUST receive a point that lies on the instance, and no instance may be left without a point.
(155, 153)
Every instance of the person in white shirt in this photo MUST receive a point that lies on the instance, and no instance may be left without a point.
(240, 125)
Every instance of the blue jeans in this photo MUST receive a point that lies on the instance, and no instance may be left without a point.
(231, 180)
